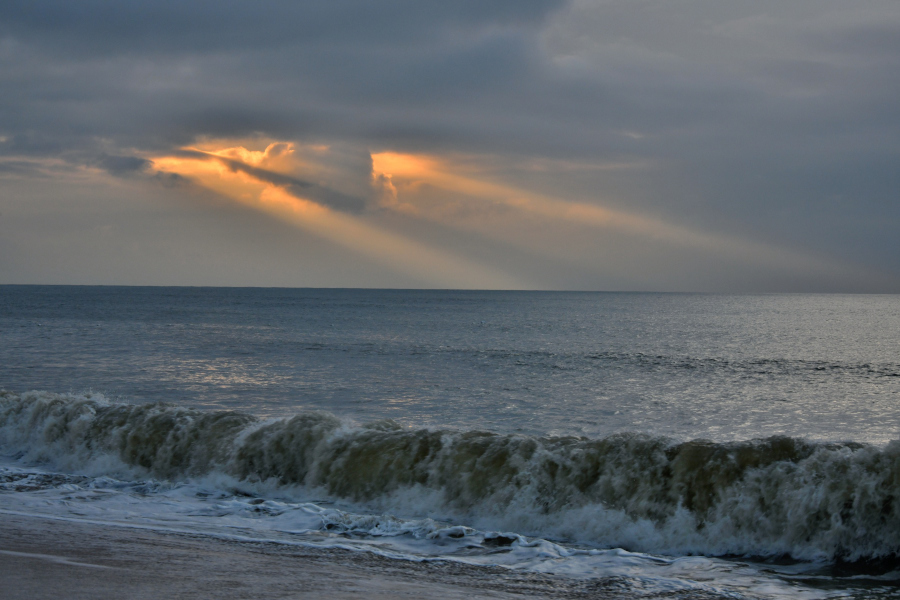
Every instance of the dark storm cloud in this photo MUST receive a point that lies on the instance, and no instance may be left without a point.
(123, 165)
(157, 74)
(468, 75)
(777, 120)
(171, 27)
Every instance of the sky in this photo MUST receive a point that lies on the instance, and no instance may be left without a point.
(638, 145)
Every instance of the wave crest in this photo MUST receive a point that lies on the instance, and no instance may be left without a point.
(776, 496)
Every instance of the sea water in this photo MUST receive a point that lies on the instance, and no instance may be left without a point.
(735, 444)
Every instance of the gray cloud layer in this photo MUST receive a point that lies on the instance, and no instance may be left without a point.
(775, 120)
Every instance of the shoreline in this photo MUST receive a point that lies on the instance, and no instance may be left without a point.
(44, 558)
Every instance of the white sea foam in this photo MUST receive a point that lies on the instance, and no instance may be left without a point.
(222, 508)
(569, 506)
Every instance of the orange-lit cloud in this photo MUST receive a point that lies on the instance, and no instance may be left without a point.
(457, 193)
(431, 171)
(277, 156)
(398, 172)
(431, 266)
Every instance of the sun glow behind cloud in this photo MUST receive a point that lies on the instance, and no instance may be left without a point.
(456, 193)
(214, 169)
(399, 171)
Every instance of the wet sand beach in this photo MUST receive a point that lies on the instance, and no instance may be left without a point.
(44, 558)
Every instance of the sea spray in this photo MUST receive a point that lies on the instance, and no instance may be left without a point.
(775, 496)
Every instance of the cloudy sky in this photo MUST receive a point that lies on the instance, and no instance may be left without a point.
(521, 144)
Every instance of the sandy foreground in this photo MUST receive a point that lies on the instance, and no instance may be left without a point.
(47, 558)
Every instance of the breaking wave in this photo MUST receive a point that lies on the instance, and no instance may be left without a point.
(773, 497)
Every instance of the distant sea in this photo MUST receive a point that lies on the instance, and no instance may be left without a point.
(736, 444)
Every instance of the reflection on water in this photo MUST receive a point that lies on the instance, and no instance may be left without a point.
(716, 366)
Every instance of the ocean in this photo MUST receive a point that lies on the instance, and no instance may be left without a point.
(739, 445)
